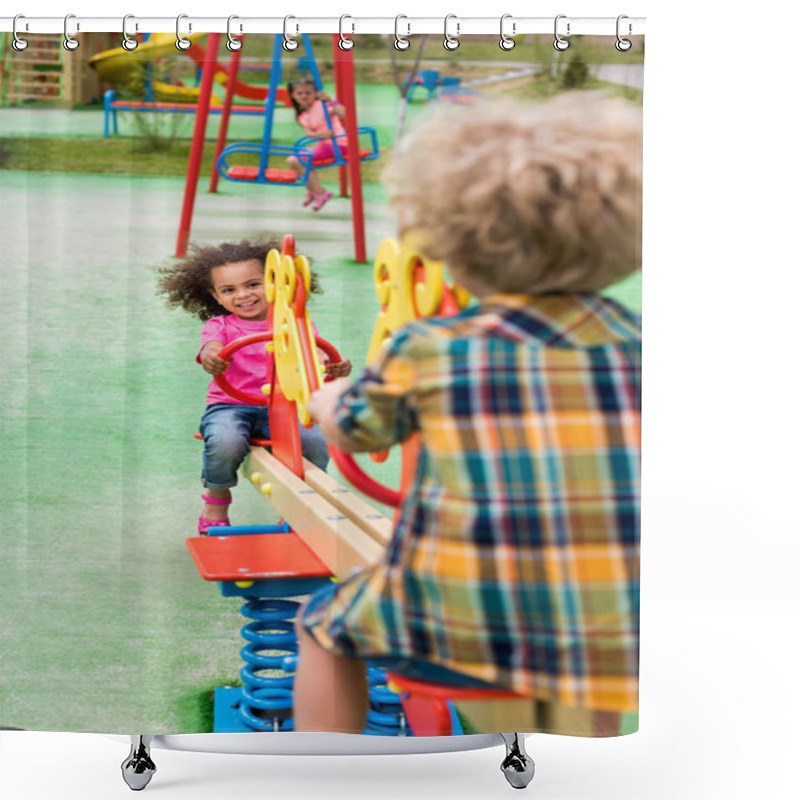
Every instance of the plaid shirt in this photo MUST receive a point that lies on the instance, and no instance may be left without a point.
(516, 556)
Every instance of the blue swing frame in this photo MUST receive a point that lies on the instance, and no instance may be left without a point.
(300, 149)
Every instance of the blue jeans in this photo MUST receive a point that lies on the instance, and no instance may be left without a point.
(227, 428)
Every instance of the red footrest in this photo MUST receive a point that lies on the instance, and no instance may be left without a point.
(258, 557)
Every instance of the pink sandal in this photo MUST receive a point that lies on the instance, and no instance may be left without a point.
(203, 523)
(320, 200)
(309, 199)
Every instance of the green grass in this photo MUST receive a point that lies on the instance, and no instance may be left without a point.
(125, 156)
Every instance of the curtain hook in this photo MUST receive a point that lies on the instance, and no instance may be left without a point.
(70, 42)
(451, 42)
(128, 42)
(18, 43)
(623, 45)
(400, 42)
(345, 42)
(289, 43)
(233, 44)
(181, 42)
(560, 43)
(506, 42)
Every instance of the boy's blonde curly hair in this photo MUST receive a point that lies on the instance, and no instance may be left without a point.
(527, 198)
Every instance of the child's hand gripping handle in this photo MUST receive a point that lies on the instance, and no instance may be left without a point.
(226, 353)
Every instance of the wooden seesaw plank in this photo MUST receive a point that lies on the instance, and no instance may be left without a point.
(367, 517)
(337, 540)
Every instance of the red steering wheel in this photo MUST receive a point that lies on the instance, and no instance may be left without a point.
(253, 338)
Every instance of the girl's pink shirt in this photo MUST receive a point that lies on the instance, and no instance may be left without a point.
(314, 119)
(250, 368)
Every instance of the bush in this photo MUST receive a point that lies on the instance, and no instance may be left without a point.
(575, 75)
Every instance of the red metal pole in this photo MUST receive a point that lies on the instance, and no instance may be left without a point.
(348, 98)
(337, 84)
(198, 139)
(222, 135)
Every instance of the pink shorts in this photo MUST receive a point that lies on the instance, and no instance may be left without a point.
(324, 150)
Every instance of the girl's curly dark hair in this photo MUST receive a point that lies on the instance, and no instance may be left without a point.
(187, 282)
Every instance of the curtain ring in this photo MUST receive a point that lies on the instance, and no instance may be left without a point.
(400, 42)
(345, 42)
(70, 42)
(560, 43)
(18, 43)
(233, 44)
(623, 45)
(128, 42)
(506, 42)
(181, 42)
(451, 42)
(289, 43)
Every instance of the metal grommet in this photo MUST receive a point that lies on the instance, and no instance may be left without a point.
(128, 42)
(289, 43)
(233, 44)
(70, 42)
(400, 42)
(18, 43)
(560, 43)
(345, 42)
(623, 45)
(451, 42)
(506, 42)
(181, 42)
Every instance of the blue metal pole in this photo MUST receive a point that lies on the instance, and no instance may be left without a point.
(275, 78)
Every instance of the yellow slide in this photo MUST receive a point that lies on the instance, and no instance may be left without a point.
(121, 68)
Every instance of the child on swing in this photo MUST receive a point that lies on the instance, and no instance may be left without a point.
(514, 563)
(224, 287)
(310, 106)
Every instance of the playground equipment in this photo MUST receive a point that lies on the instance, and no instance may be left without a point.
(344, 80)
(328, 531)
(43, 72)
(439, 87)
(121, 68)
(301, 148)
(268, 565)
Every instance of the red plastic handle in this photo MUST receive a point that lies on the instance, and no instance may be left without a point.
(352, 472)
(253, 338)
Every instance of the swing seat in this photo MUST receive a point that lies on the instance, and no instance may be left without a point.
(368, 153)
(240, 173)
(364, 155)
(267, 175)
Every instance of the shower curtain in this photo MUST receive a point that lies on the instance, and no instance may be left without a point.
(118, 615)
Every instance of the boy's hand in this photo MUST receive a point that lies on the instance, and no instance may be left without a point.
(322, 405)
(211, 362)
(341, 369)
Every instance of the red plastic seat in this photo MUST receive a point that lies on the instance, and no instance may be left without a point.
(362, 153)
(241, 173)
(256, 442)
(426, 704)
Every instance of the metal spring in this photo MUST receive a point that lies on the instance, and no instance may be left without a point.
(267, 699)
(385, 714)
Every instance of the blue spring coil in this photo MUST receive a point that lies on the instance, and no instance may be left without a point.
(267, 699)
(385, 714)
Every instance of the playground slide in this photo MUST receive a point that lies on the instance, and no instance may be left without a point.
(117, 67)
